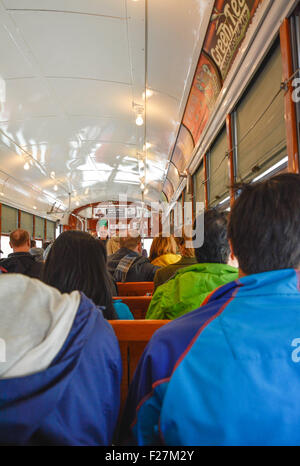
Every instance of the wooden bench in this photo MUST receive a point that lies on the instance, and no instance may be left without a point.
(135, 288)
(137, 304)
(133, 336)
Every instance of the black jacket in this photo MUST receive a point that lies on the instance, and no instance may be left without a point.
(22, 262)
(140, 271)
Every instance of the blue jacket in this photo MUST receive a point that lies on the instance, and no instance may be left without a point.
(227, 373)
(75, 401)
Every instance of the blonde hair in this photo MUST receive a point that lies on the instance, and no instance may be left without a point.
(112, 245)
(162, 245)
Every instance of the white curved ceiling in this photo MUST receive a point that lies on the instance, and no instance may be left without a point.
(72, 74)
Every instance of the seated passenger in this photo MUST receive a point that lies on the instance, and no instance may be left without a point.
(77, 261)
(112, 245)
(187, 258)
(163, 251)
(20, 260)
(228, 373)
(128, 265)
(190, 285)
(36, 252)
(60, 382)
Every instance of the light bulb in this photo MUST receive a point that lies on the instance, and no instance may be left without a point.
(26, 166)
(52, 174)
(55, 187)
(139, 120)
(77, 203)
(34, 207)
(142, 186)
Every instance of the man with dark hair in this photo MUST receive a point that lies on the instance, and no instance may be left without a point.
(21, 261)
(228, 373)
(127, 264)
(188, 288)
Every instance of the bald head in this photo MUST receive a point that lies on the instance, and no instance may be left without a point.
(19, 240)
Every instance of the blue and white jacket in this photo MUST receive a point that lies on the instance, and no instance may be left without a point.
(227, 373)
(60, 367)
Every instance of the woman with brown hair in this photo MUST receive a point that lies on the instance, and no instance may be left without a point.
(163, 251)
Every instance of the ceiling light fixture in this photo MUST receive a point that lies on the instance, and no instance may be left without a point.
(26, 166)
(55, 187)
(139, 120)
(139, 110)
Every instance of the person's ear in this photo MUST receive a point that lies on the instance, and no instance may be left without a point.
(232, 256)
(140, 248)
(232, 259)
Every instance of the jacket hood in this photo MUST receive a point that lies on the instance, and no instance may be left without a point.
(187, 290)
(166, 259)
(48, 337)
(212, 268)
(35, 321)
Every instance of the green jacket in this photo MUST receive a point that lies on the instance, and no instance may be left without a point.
(187, 289)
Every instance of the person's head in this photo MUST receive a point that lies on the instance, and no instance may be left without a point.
(162, 245)
(32, 243)
(183, 243)
(19, 240)
(264, 225)
(77, 261)
(215, 247)
(113, 245)
(130, 241)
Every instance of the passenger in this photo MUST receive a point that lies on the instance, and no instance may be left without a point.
(77, 261)
(60, 383)
(36, 252)
(20, 260)
(189, 287)
(187, 258)
(163, 251)
(112, 245)
(127, 264)
(46, 244)
(228, 373)
(47, 250)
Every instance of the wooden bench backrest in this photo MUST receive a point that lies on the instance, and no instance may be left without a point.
(135, 288)
(133, 336)
(137, 304)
